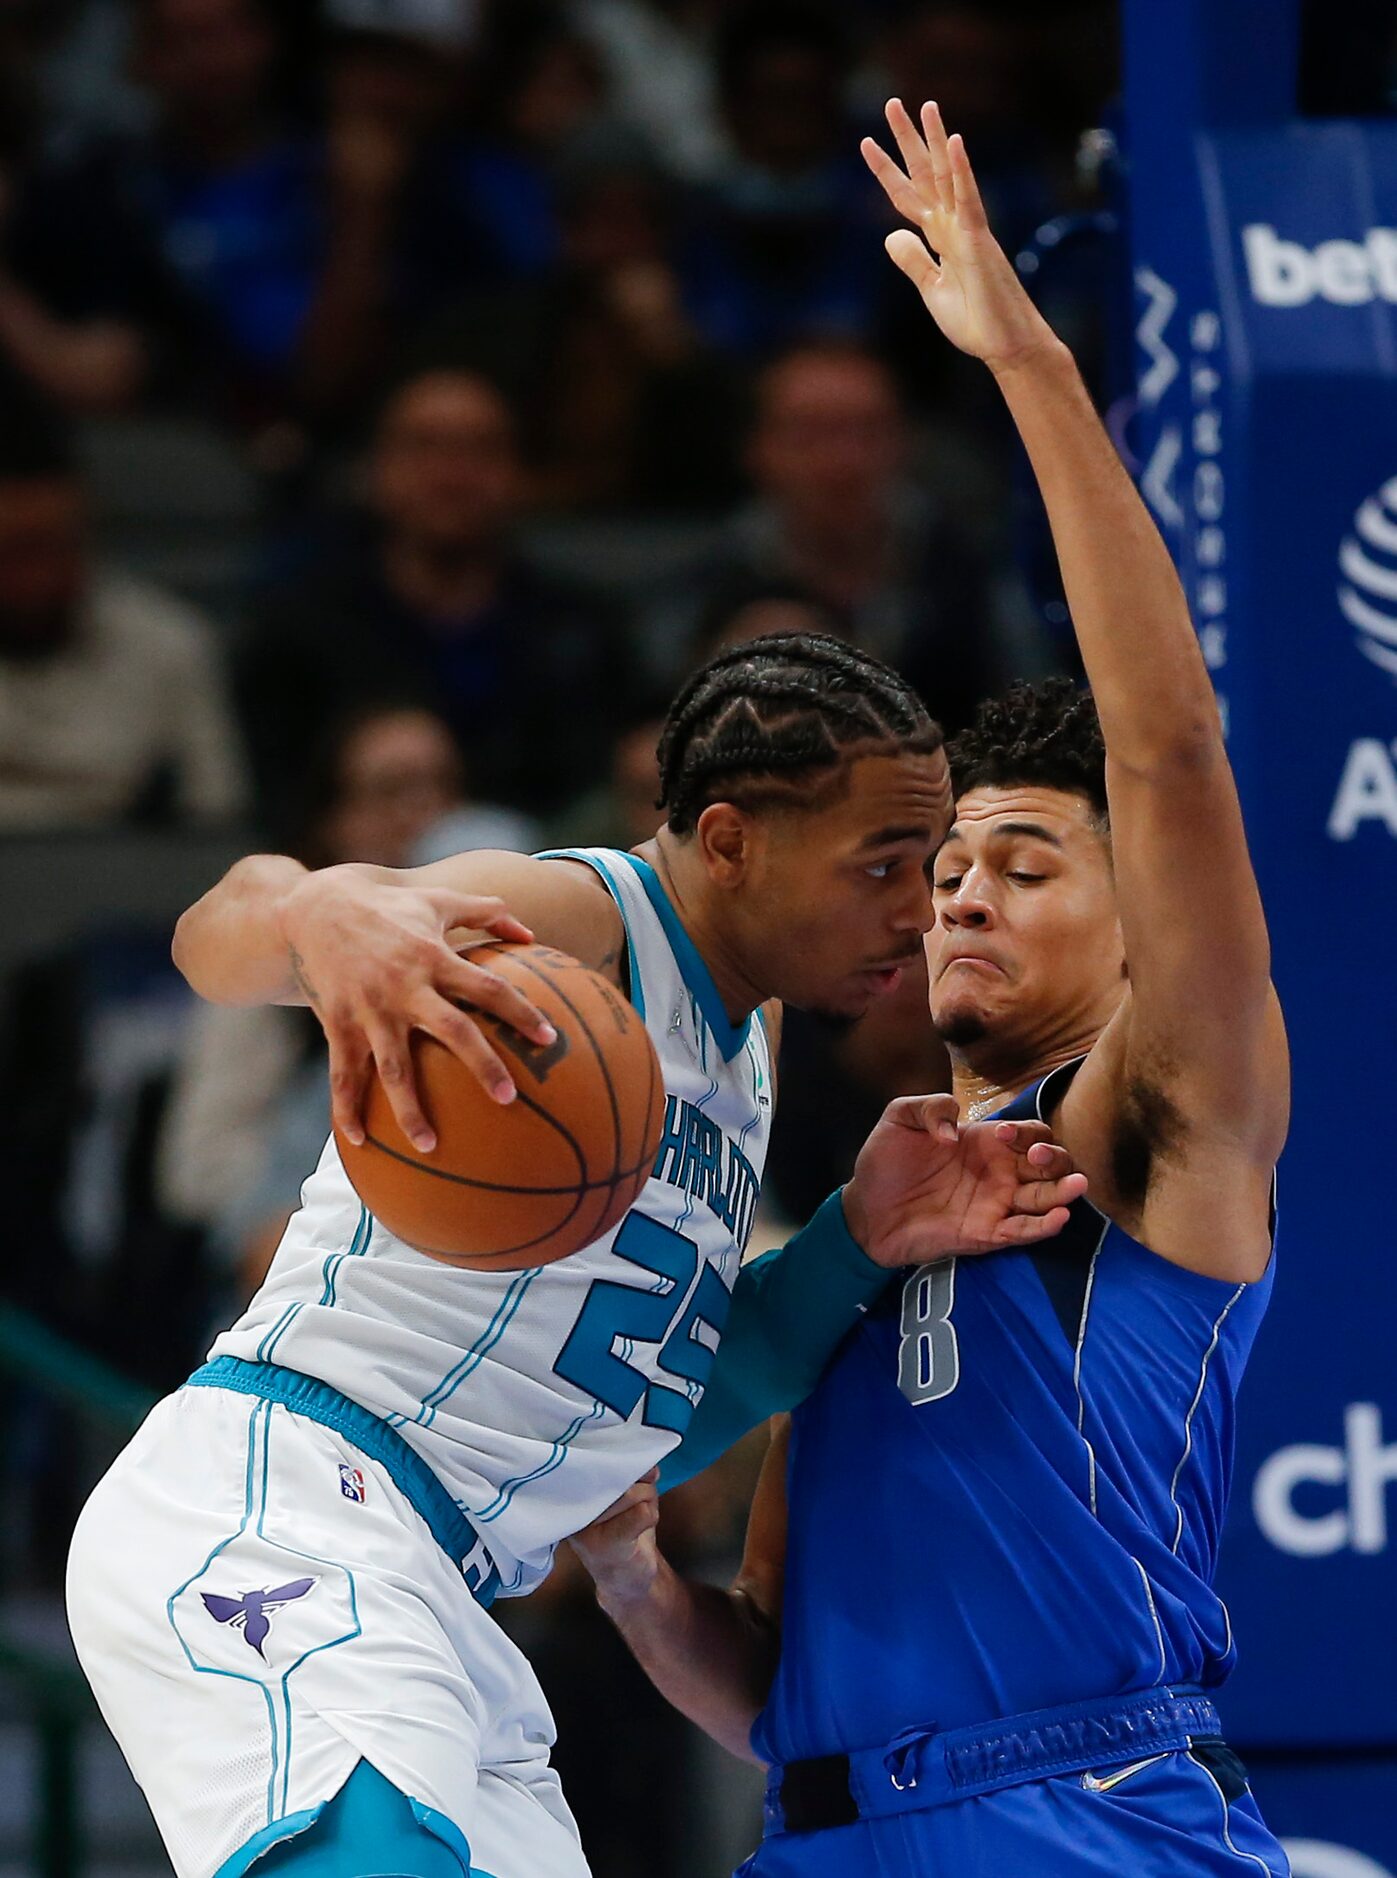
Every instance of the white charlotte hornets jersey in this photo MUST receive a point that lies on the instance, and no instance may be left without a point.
(538, 1396)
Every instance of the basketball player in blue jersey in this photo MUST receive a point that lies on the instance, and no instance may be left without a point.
(975, 1630)
(280, 1590)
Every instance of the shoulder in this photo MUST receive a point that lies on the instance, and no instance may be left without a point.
(136, 614)
(565, 903)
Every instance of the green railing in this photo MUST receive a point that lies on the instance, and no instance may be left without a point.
(52, 1695)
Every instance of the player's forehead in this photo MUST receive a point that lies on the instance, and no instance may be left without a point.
(1001, 812)
(905, 795)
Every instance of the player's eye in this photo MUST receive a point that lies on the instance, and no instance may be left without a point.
(1019, 874)
(880, 870)
(947, 883)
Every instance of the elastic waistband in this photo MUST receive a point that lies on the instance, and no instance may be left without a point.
(925, 1767)
(405, 1467)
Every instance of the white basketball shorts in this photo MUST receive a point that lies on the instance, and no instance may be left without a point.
(258, 1607)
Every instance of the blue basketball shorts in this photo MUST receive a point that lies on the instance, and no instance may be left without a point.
(1178, 1814)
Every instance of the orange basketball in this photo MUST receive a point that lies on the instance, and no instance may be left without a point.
(526, 1182)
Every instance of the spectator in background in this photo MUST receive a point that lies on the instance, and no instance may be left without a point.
(750, 606)
(75, 355)
(621, 402)
(836, 515)
(249, 1106)
(112, 704)
(197, 242)
(659, 69)
(787, 242)
(984, 62)
(621, 811)
(974, 59)
(429, 597)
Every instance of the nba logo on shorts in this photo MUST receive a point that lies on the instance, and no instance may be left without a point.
(351, 1483)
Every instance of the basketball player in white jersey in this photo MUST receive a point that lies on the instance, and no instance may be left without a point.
(280, 1590)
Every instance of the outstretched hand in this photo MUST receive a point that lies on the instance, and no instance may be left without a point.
(924, 1187)
(954, 261)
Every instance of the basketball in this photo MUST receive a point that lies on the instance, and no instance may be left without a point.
(527, 1182)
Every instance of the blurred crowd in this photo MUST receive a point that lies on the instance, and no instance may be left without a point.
(396, 398)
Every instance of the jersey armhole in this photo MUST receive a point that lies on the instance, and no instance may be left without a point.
(589, 857)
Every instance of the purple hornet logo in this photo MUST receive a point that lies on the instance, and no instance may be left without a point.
(251, 1613)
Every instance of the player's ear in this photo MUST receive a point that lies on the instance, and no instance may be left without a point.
(724, 837)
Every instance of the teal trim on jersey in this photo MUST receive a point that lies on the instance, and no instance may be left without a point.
(592, 858)
(477, 1353)
(369, 1827)
(261, 1842)
(405, 1467)
(557, 1456)
(730, 1037)
(791, 1309)
(358, 1245)
(280, 1744)
(211, 1669)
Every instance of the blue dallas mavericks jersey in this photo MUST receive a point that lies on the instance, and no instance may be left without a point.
(1007, 1491)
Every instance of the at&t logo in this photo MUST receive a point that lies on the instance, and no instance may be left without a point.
(1367, 596)
(1368, 587)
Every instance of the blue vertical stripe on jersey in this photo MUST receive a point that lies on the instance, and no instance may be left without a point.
(1192, 1411)
(591, 858)
(479, 1350)
(557, 1456)
(729, 1037)
(357, 1246)
(275, 1330)
(263, 1409)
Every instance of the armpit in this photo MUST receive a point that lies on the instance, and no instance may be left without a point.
(1149, 1127)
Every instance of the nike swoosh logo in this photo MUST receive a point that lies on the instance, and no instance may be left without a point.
(1113, 1779)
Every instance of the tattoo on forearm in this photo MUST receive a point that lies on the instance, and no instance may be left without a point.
(303, 984)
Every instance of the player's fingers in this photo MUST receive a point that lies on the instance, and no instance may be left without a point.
(622, 1529)
(910, 253)
(914, 152)
(970, 210)
(899, 191)
(1021, 1136)
(490, 991)
(938, 156)
(480, 912)
(1046, 1161)
(1040, 1197)
(392, 1057)
(934, 1115)
(350, 1060)
(463, 1037)
(644, 1489)
(1023, 1229)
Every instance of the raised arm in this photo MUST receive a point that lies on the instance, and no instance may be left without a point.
(374, 952)
(1200, 1024)
(709, 1652)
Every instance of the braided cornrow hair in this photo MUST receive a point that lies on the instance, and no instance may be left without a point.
(1046, 733)
(764, 721)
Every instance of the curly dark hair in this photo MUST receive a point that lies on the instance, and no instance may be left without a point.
(1046, 733)
(769, 721)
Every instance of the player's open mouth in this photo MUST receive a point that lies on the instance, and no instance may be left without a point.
(885, 978)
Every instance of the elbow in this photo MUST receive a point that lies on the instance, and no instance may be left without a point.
(1188, 750)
